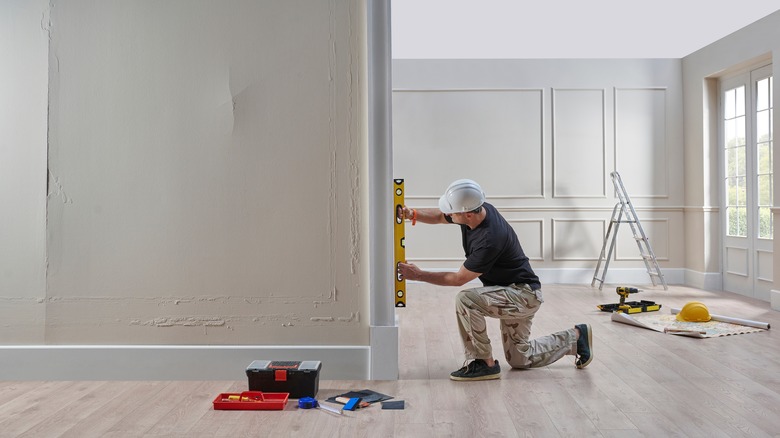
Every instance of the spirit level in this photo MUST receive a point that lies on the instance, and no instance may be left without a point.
(399, 236)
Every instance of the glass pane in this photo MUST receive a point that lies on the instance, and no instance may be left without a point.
(765, 190)
(739, 103)
(741, 192)
(764, 158)
(741, 221)
(730, 133)
(740, 130)
(728, 104)
(764, 223)
(762, 94)
(740, 169)
(731, 188)
(762, 126)
(731, 162)
(732, 219)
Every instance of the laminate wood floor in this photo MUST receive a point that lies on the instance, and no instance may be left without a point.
(641, 383)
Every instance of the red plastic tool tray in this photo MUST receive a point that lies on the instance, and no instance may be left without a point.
(251, 401)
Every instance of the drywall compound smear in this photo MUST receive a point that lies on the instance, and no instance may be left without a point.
(56, 191)
(161, 312)
(187, 321)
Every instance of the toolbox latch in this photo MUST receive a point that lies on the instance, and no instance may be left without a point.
(280, 375)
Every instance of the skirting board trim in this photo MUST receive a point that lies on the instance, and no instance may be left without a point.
(585, 276)
(712, 281)
(614, 276)
(170, 362)
(384, 352)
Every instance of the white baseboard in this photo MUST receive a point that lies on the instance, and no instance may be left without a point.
(585, 276)
(712, 281)
(384, 353)
(614, 276)
(170, 362)
(774, 299)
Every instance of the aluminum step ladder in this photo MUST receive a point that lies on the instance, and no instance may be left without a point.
(624, 213)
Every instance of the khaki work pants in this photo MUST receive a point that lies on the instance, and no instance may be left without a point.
(515, 307)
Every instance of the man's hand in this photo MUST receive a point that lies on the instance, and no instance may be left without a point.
(409, 271)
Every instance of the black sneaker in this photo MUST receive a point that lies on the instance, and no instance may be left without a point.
(584, 346)
(478, 369)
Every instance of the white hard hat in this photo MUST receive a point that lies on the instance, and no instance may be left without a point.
(462, 196)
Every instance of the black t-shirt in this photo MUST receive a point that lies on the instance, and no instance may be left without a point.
(493, 250)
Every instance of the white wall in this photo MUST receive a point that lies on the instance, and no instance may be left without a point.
(542, 136)
(207, 175)
(23, 108)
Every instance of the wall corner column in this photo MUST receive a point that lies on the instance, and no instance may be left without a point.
(384, 330)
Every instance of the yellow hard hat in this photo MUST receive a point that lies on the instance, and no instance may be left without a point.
(694, 311)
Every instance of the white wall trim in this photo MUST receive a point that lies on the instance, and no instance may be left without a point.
(554, 148)
(585, 276)
(384, 331)
(774, 299)
(170, 362)
(384, 357)
(712, 281)
(616, 276)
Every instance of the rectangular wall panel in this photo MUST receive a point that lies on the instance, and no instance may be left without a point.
(491, 136)
(764, 261)
(736, 261)
(531, 235)
(577, 239)
(578, 143)
(640, 141)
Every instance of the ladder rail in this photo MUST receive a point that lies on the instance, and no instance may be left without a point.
(625, 207)
(613, 223)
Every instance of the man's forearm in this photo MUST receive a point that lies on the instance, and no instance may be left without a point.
(441, 278)
(410, 271)
(426, 215)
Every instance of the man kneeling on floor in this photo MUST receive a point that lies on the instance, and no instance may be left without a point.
(511, 290)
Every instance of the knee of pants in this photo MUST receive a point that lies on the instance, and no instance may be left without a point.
(465, 299)
(518, 357)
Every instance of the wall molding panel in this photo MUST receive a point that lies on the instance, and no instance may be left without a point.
(579, 143)
(505, 125)
(641, 150)
(537, 253)
(577, 239)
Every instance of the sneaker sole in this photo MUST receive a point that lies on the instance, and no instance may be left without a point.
(487, 377)
(590, 346)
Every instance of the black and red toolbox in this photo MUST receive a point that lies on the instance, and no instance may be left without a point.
(299, 378)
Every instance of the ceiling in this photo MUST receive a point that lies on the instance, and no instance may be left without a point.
(524, 29)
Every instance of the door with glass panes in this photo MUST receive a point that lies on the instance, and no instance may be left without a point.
(746, 182)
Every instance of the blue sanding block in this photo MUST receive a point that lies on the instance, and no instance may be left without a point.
(352, 404)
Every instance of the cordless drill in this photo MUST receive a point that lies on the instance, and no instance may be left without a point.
(624, 291)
